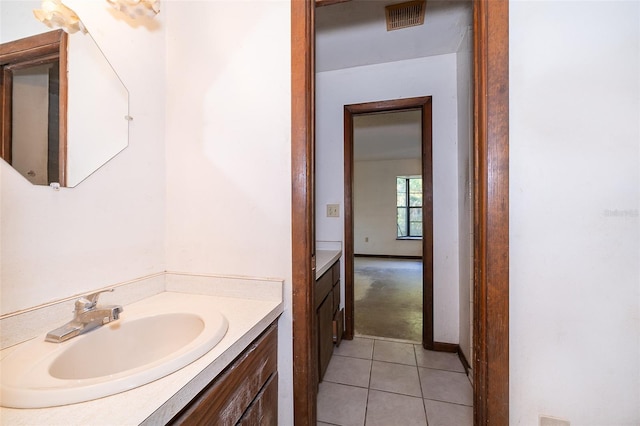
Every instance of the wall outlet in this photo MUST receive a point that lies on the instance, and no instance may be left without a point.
(333, 210)
(553, 421)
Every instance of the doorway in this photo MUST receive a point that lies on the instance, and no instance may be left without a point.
(491, 201)
(422, 105)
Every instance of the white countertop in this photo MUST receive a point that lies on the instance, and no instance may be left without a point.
(325, 259)
(157, 402)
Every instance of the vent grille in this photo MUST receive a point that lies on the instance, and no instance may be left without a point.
(404, 15)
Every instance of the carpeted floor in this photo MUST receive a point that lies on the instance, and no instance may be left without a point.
(388, 298)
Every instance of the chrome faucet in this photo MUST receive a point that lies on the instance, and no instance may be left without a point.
(87, 316)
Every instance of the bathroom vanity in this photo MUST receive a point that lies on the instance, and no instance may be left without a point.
(234, 382)
(330, 318)
(246, 393)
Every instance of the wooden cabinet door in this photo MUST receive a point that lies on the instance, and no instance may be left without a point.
(226, 399)
(338, 326)
(325, 334)
(263, 411)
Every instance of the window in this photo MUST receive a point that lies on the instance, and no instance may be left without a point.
(409, 206)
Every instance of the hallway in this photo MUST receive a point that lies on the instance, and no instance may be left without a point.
(383, 382)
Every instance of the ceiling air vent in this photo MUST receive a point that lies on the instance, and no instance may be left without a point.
(403, 15)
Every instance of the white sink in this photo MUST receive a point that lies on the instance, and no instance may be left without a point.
(152, 338)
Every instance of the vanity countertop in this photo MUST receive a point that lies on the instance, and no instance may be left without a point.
(324, 260)
(157, 402)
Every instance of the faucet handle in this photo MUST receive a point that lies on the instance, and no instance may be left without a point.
(93, 297)
(90, 300)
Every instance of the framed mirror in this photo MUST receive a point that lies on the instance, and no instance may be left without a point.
(33, 106)
(64, 110)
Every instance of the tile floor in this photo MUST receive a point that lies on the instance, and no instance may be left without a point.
(373, 381)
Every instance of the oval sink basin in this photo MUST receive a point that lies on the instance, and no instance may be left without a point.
(152, 338)
(138, 336)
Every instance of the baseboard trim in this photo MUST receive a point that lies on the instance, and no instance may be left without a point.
(387, 256)
(446, 347)
(464, 361)
(453, 348)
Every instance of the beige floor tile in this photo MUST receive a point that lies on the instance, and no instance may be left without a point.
(401, 353)
(357, 348)
(395, 378)
(385, 409)
(396, 386)
(438, 360)
(445, 414)
(341, 405)
(348, 371)
(446, 386)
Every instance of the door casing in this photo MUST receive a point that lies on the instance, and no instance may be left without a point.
(424, 105)
(491, 211)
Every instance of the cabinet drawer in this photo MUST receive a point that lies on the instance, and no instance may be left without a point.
(335, 272)
(336, 297)
(228, 396)
(323, 287)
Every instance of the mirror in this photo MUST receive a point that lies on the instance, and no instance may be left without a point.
(44, 150)
(33, 106)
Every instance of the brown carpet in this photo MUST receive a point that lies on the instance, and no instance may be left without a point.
(388, 298)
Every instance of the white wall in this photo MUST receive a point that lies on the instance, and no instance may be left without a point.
(110, 228)
(374, 207)
(465, 193)
(574, 212)
(435, 76)
(15, 23)
(228, 148)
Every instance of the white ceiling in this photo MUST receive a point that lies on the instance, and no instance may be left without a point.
(387, 136)
(355, 33)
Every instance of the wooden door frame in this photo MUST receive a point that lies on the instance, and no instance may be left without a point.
(491, 217)
(424, 105)
(491, 212)
(305, 355)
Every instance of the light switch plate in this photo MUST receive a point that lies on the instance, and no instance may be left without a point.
(333, 210)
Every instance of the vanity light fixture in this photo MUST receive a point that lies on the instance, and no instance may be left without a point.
(55, 14)
(137, 8)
